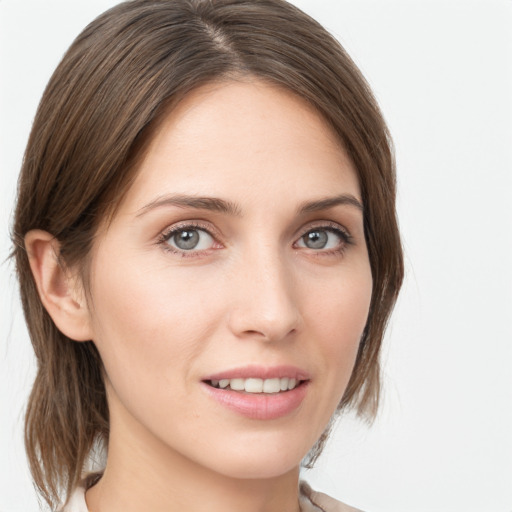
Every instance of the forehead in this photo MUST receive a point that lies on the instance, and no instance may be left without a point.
(240, 136)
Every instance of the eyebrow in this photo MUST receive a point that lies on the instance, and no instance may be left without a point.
(330, 202)
(200, 203)
(230, 208)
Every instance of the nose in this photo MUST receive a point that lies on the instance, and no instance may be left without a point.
(265, 301)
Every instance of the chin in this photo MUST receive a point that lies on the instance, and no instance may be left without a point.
(260, 459)
(250, 469)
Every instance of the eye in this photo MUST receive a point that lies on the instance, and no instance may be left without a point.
(189, 238)
(323, 238)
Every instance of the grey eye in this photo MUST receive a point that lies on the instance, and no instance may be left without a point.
(316, 239)
(186, 240)
(322, 238)
(189, 239)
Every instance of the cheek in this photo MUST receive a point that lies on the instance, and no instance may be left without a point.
(338, 314)
(339, 305)
(148, 322)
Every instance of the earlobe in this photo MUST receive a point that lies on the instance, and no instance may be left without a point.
(60, 292)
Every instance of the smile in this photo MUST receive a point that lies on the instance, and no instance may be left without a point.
(259, 392)
(256, 385)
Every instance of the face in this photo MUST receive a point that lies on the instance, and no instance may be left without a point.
(230, 291)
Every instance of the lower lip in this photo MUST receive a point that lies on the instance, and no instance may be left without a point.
(260, 406)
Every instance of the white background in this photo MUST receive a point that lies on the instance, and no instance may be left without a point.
(442, 71)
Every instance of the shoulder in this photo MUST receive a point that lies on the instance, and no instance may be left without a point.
(312, 501)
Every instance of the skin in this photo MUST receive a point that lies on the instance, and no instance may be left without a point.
(253, 293)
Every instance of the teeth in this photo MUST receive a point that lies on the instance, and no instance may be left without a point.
(271, 386)
(237, 384)
(254, 385)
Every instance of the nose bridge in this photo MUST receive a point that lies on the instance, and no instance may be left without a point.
(265, 298)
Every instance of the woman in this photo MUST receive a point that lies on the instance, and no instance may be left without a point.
(207, 249)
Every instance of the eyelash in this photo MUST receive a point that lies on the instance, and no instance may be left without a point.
(345, 237)
(167, 234)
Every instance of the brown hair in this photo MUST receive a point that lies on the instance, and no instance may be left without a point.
(120, 76)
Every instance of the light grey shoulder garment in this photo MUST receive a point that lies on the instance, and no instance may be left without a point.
(312, 501)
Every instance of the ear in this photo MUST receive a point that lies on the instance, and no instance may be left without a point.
(61, 293)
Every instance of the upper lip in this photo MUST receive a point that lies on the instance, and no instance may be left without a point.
(261, 372)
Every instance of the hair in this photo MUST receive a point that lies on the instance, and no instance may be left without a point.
(118, 80)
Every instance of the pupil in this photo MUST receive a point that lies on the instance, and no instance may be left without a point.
(316, 239)
(186, 239)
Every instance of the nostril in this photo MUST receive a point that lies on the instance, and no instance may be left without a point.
(268, 334)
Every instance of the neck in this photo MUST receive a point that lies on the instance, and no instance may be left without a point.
(142, 473)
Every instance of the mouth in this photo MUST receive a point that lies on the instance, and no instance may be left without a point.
(259, 392)
(256, 385)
